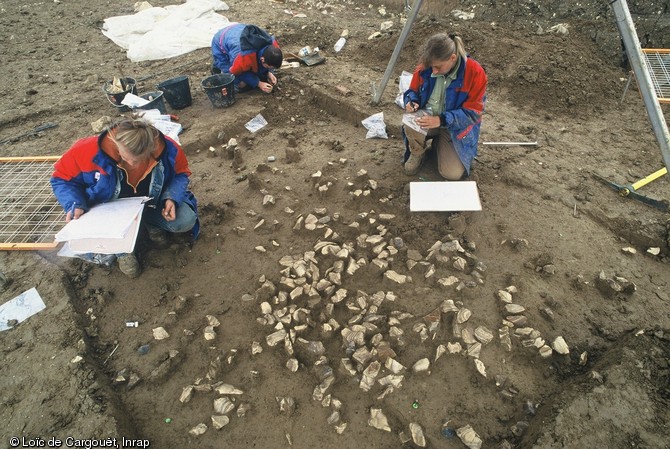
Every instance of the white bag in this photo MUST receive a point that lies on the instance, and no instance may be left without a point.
(404, 81)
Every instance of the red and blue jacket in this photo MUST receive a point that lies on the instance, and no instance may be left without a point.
(88, 174)
(464, 102)
(238, 49)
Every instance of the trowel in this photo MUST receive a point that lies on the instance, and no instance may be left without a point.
(311, 59)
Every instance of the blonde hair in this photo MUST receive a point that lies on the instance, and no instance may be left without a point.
(136, 135)
(440, 47)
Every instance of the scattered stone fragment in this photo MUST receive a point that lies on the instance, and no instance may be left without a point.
(242, 409)
(547, 313)
(223, 405)
(132, 381)
(286, 405)
(483, 335)
(454, 348)
(463, 315)
(559, 345)
(417, 434)
(269, 199)
(421, 365)
(545, 351)
(474, 350)
(397, 277)
(370, 375)
(292, 364)
(198, 430)
(256, 348)
(209, 333)
(612, 285)
(219, 421)
(505, 296)
(629, 250)
(469, 437)
(333, 418)
(583, 358)
(100, 124)
(517, 320)
(448, 306)
(160, 333)
(378, 420)
(448, 281)
(481, 369)
(227, 389)
(460, 264)
(513, 309)
(186, 394)
(275, 338)
(654, 251)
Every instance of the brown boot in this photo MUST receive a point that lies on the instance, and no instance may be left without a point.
(129, 265)
(417, 148)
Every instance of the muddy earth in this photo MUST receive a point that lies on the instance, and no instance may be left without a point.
(315, 310)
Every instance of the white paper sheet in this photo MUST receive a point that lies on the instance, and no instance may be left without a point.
(444, 196)
(409, 119)
(20, 308)
(108, 228)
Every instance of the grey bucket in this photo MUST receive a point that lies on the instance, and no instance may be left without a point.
(115, 99)
(155, 102)
(177, 92)
(220, 89)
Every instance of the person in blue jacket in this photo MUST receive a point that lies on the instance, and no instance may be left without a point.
(131, 158)
(249, 53)
(448, 89)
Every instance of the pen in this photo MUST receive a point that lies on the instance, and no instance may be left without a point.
(147, 200)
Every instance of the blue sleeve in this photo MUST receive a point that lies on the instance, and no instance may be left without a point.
(249, 78)
(70, 194)
(411, 96)
(176, 189)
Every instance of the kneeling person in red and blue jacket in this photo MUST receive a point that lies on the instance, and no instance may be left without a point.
(249, 53)
(130, 159)
(450, 87)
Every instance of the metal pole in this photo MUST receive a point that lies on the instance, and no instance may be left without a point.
(639, 65)
(377, 93)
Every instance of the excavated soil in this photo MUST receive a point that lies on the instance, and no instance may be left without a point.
(549, 232)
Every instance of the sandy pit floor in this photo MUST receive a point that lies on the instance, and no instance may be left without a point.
(315, 304)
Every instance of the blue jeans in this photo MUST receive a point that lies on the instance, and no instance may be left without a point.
(184, 221)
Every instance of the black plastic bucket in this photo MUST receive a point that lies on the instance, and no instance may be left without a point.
(177, 92)
(220, 90)
(155, 102)
(129, 87)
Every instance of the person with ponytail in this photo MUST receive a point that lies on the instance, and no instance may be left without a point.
(450, 87)
(131, 158)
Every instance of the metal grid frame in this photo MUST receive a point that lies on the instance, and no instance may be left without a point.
(30, 216)
(658, 63)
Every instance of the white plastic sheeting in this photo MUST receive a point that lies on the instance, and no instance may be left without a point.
(161, 33)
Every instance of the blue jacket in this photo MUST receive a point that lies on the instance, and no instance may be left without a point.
(238, 49)
(87, 175)
(464, 104)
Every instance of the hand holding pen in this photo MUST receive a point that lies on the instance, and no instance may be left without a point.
(73, 214)
(412, 106)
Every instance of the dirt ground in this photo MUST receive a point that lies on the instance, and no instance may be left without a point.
(309, 281)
